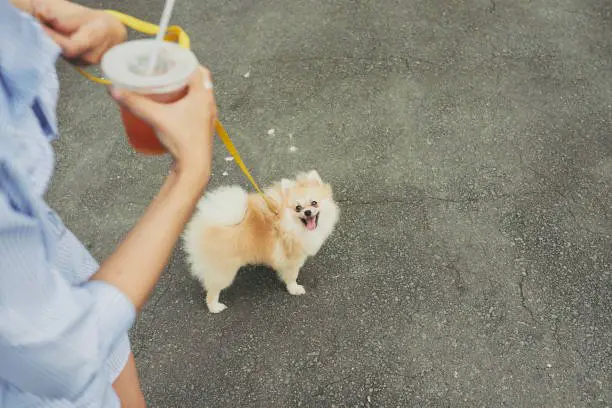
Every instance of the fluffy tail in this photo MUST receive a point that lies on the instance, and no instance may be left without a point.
(223, 206)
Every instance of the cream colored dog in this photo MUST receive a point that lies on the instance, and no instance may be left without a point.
(232, 228)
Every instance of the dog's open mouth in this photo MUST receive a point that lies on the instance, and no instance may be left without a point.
(311, 222)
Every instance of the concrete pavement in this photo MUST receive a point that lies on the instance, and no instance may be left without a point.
(469, 146)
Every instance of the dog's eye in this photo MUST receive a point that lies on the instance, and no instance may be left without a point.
(298, 208)
(314, 203)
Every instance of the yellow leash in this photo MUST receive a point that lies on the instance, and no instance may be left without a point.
(176, 34)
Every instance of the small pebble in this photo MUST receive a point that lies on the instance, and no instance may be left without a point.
(271, 132)
(248, 74)
(293, 149)
(225, 173)
(229, 158)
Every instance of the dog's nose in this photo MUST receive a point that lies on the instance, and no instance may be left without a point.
(308, 213)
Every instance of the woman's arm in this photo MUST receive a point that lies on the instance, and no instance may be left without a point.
(136, 264)
(186, 128)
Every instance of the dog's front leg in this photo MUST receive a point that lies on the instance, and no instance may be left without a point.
(289, 275)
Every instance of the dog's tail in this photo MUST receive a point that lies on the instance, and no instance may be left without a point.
(223, 206)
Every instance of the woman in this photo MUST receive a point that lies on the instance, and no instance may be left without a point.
(64, 319)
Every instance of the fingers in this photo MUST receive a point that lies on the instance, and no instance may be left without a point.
(213, 115)
(74, 51)
(200, 80)
(74, 38)
(143, 107)
(86, 43)
(201, 86)
(82, 34)
(81, 42)
(205, 81)
(198, 100)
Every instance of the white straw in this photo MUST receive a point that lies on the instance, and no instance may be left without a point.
(163, 27)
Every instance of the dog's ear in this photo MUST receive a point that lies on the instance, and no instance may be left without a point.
(314, 176)
(287, 184)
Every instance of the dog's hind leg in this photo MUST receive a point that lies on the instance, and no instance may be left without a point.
(214, 279)
(212, 301)
(214, 283)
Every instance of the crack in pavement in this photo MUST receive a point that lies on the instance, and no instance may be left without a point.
(459, 282)
(556, 333)
(524, 299)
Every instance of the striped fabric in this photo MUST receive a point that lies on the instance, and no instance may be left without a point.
(63, 340)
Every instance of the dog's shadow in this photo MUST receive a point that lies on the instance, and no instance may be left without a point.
(253, 281)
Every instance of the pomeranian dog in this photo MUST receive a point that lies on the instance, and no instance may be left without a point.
(232, 228)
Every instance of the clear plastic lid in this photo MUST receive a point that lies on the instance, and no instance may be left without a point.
(126, 66)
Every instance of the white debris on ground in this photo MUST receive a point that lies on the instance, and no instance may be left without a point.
(271, 131)
(290, 136)
(225, 173)
(229, 158)
(293, 149)
(248, 74)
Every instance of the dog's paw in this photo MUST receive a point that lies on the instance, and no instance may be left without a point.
(216, 307)
(295, 289)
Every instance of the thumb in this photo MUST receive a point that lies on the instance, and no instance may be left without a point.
(139, 105)
(73, 32)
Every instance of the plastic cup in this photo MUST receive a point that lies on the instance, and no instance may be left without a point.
(126, 65)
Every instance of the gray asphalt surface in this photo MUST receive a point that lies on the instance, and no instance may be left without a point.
(469, 145)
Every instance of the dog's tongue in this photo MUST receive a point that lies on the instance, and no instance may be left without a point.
(311, 223)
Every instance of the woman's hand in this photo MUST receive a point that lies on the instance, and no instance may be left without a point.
(134, 267)
(184, 127)
(83, 34)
